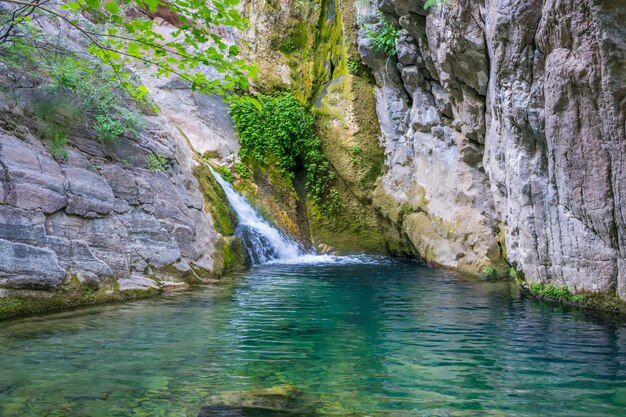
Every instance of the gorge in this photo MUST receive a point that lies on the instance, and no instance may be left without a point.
(340, 207)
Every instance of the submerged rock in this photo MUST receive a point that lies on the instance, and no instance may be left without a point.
(230, 411)
(281, 400)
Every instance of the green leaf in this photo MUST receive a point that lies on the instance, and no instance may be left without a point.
(112, 7)
(92, 4)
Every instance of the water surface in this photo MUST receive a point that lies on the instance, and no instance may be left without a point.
(372, 338)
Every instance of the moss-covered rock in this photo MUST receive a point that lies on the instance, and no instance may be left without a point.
(224, 217)
(274, 195)
(235, 256)
(606, 301)
(19, 303)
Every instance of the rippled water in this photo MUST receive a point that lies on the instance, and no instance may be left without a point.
(381, 338)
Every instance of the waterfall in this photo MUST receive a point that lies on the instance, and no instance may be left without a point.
(263, 241)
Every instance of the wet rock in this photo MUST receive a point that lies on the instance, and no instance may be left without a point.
(281, 400)
(137, 282)
(230, 411)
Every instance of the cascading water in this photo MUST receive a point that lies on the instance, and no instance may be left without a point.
(263, 241)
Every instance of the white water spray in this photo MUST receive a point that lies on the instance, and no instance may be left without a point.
(263, 241)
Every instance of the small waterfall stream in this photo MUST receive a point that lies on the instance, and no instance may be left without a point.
(263, 241)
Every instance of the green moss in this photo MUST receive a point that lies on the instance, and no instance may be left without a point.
(273, 194)
(490, 273)
(23, 306)
(556, 293)
(224, 217)
(73, 294)
(404, 210)
(234, 254)
(354, 228)
(208, 155)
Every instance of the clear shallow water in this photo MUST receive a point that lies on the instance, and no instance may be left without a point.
(372, 338)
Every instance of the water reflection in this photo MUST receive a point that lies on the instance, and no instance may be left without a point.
(386, 339)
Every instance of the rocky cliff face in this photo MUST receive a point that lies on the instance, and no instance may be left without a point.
(96, 224)
(503, 127)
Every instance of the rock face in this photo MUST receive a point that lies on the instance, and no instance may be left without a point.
(99, 215)
(503, 125)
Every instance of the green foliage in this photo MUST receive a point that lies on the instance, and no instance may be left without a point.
(156, 162)
(561, 293)
(356, 68)
(242, 170)
(108, 128)
(223, 216)
(78, 91)
(384, 40)
(58, 142)
(356, 154)
(431, 3)
(117, 38)
(404, 210)
(490, 272)
(225, 173)
(279, 129)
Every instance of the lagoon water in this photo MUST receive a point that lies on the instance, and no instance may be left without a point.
(354, 336)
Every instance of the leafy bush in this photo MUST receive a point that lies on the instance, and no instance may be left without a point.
(242, 170)
(385, 39)
(278, 129)
(117, 37)
(107, 128)
(225, 173)
(356, 154)
(156, 162)
(58, 142)
(95, 96)
(355, 67)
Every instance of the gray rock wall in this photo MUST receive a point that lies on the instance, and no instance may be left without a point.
(99, 214)
(507, 115)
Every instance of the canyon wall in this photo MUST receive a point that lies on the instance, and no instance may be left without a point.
(98, 219)
(503, 125)
(491, 142)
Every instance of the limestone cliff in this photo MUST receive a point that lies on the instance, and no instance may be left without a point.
(503, 123)
(92, 220)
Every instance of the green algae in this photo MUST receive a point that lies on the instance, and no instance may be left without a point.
(235, 257)
(18, 303)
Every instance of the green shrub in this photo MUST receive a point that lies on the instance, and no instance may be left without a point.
(356, 154)
(225, 173)
(242, 170)
(94, 95)
(385, 39)
(107, 128)
(58, 142)
(156, 162)
(356, 67)
(278, 129)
